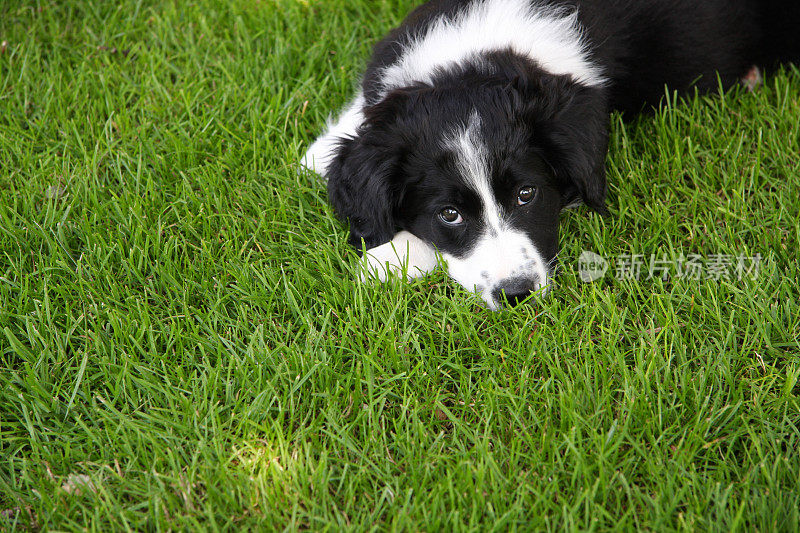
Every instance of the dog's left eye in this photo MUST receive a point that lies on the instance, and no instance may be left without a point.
(526, 194)
(451, 216)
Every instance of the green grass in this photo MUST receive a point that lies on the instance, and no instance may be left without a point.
(183, 344)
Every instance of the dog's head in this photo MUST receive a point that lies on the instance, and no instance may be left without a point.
(480, 170)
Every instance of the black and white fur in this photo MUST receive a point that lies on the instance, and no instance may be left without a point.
(471, 104)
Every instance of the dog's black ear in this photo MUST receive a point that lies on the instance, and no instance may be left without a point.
(362, 178)
(572, 129)
(580, 137)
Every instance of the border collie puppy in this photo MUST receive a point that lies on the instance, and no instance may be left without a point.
(478, 121)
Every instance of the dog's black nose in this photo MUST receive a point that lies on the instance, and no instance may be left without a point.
(513, 290)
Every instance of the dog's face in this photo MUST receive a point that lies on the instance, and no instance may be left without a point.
(480, 173)
(488, 202)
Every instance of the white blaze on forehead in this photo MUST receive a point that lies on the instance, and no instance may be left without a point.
(500, 252)
(550, 36)
(472, 159)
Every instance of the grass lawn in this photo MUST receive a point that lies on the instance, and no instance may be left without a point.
(183, 344)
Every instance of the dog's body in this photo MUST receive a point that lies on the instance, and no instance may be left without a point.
(478, 121)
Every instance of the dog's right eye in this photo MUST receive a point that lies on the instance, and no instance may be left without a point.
(526, 194)
(451, 216)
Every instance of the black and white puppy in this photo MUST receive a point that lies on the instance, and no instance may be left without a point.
(478, 121)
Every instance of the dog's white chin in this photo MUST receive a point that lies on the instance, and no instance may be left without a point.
(496, 259)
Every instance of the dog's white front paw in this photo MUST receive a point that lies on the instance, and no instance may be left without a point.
(403, 254)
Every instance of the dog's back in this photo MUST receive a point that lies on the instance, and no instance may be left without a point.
(779, 22)
(645, 45)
